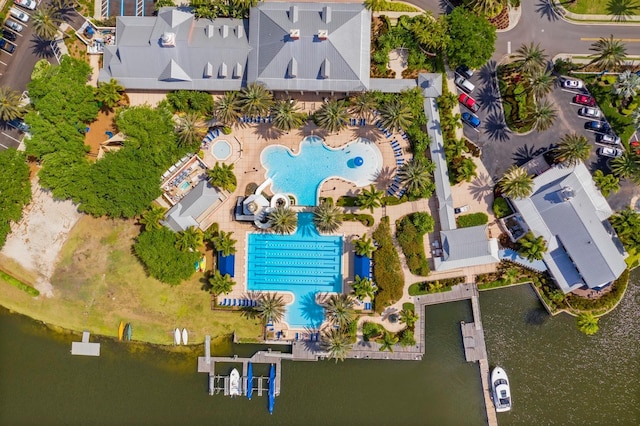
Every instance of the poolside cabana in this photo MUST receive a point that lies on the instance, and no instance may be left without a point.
(226, 264)
(362, 266)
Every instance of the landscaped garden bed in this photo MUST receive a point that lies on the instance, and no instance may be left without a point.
(472, 219)
(516, 98)
(387, 271)
(410, 232)
(436, 286)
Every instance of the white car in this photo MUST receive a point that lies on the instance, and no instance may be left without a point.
(572, 84)
(589, 112)
(27, 4)
(608, 139)
(19, 15)
(610, 152)
(13, 25)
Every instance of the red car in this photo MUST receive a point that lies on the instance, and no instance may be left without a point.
(584, 100)
(469, 102)
(635, 145)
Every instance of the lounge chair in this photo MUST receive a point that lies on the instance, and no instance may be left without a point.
(297, 336)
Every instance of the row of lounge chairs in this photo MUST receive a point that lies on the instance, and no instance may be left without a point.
(357, 122)
(238, 302)
(256, 120)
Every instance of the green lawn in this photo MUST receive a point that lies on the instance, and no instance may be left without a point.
(588, 7)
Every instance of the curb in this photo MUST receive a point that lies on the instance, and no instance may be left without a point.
(578, 19)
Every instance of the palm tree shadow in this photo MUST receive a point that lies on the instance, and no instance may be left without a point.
(267, 132)
(385, 177)
(41, 48)
(367, 132)
(622, 9)
(489, 98)
(481, 187)
(546, 9)
(524, 154)
(487, 73)
(311, 311)
(496, 128)
(445, 7)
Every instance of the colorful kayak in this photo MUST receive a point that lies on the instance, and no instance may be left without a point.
(272, 387)
(121, 330)
(127, 331)
(203, 264)
(249, 380)
(176, 336)
(185, 336)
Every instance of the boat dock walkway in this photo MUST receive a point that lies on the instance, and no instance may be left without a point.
(84, 347)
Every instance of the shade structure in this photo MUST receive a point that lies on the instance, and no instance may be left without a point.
(226, 264)
(362, 266)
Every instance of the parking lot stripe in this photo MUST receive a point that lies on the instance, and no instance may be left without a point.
(2, 63)
(4, 146)
(10, 137)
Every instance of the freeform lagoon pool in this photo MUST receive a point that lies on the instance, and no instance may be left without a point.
(303, 264)
(302, 174)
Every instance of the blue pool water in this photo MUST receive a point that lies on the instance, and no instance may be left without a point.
(302, 174)
(221, 150)
(184, 185)
(304, 264)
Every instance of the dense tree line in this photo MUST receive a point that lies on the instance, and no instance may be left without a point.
(15, 189)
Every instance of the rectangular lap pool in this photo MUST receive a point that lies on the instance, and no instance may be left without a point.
(303, 264)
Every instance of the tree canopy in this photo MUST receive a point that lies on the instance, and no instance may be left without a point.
(15, 189)
(472, 38)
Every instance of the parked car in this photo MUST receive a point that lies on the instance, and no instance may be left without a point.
(19, 15)
(470, 119)
(9, 35)
(462, 209)
(19, 124)
(597, 126)
(464, 84)
(13, 25)
(608, 139)
(584, 100)
(469, 102)
(27, 4)
(610, 152)
(464, 71)
(572, 84)
(6, 46)
(589, 112)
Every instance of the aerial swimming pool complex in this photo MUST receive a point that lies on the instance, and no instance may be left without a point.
(302, 174)
(303, 264)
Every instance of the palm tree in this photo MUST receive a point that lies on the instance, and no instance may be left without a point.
(388, 341)
(336, 343)
(270, 309)
(255, 99)
(220, 284)
(531, 247)
(487, 8)
(364, 246)
(609, 53)
(572, 149)
(516, 183)
(416, 176)
(363, 287)
(430, 33)
(223, 243)
(542, 115)
(363, 104)
(222, 176)
(587, 323)
(369, 198)
(10, 104)
(541, 83)
(332, 115)
(606, 183)
(190, 239)
(626, 223)
(531, 57)
(45, 23)
(635, 118)
(339, 310)
(626, 166)
(327, 218)
(374, 5)
(626, 86)
(408, 317)
(286, 115)
(226, 109)
(191, 129)
(151, 218)
(396, 115)
(283, 220)
(109, 94)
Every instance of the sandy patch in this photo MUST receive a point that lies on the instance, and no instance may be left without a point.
(398, 61)
(35, 242)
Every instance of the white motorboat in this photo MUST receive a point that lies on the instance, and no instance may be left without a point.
(234, 383)
(500, 390)
(176, 336)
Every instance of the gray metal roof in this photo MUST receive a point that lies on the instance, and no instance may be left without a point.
(328, 51)
(391, 85)
(430, 84)
(464, 247)
(570, 213)
(206, 55)
(185, 214)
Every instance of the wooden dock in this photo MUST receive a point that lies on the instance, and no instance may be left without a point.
(84, 347)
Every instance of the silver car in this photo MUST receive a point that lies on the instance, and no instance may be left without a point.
(610, 152)
(589, 112)
(13, 25)
(19, 15)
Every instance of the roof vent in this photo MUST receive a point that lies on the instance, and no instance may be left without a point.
(209, 30)
(224, 31)
(326, 14)
(239, 31)
(222, 72)
(294, 34)
(323, 34)
(567, 193)
(293, 13)
(208, 70)
(292, 69)
(325, 69)
(168, 40)
(237, 71)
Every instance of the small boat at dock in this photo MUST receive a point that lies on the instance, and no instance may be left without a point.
(128, 329)
(272, 387)
(249, 380)
(176, 336)
(500, 390)
(185, 336)
(234, 383)
(121, 330)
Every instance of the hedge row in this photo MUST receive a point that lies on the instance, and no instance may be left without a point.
(387, 270)
(365, 219)
(472, 219)
(411, 239)
(19, 284)
(437, 286)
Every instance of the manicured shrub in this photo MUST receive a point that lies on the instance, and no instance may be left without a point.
(406, 338)
(19, 284)
(365, 219)
(371, 330)
(226, 130)
(501, 208)
(346, 201)
(387, 270)
(472, 219)
(436, 286)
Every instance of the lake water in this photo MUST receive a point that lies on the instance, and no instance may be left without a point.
(558, 375)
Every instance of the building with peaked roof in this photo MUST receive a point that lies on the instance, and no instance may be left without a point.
(571, 214)
(466, 247)
(194, 208)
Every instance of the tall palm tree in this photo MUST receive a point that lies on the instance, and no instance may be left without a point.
(606, 183)
(396, 115)
(388, 341)
(191, 129)
(151, 218)
(226, 109)
(327, 218)
(572, 149)
(190, 239)
(587, 323)
(531, 247)
(364, 246)
(45, 22)
(109, 94)
(531, 58)
(609, 53)
(223, 243)
(542, 115)
(339, 310)
(408, 317)
(286, 115)
(431, 33)
(416, 176)
(283, 220)
(220, 284)
(516, 183)
(369, 198)
(626, 222)
(255, 99)
(627, 166)
(270, 309)
(363, 104)
(626, 86)
(10, 104)
(488, 8)
(222, 176)
(336, 343)
(363, 288)
(541, 83)
(332, 115)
